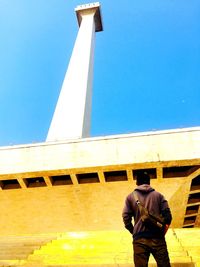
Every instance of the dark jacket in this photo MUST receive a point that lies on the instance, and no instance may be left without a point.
(154, 202)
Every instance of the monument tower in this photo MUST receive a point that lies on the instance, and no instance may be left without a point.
(67, 193)
(71, 118)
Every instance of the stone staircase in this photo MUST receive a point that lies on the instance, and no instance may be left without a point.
(190, 241)
(14, 250)
(93, 249)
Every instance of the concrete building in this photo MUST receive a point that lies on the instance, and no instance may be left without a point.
(73, 181)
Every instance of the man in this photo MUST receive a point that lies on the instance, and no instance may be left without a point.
(147, 240)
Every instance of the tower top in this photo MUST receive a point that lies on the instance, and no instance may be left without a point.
(87, 9)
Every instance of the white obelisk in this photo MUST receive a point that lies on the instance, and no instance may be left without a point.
(71, 119)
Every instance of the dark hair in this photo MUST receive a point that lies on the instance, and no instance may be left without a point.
(142, 178)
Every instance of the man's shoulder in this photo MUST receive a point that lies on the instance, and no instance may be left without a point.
(157, 194)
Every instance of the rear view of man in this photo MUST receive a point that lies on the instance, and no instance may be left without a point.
(146, 239)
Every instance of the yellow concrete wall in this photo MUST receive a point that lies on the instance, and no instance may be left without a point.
(75, 208)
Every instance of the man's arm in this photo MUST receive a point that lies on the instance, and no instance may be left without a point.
(167, 218)
(165, 210)
(127, 217)
(166, 213)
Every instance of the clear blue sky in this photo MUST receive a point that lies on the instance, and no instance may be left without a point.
(146, 73)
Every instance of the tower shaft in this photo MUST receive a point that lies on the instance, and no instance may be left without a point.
(71, 118)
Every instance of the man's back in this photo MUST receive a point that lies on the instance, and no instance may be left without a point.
(143, 236)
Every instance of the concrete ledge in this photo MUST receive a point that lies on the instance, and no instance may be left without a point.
(161, 146)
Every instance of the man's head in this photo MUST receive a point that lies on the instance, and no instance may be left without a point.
(142, 178)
